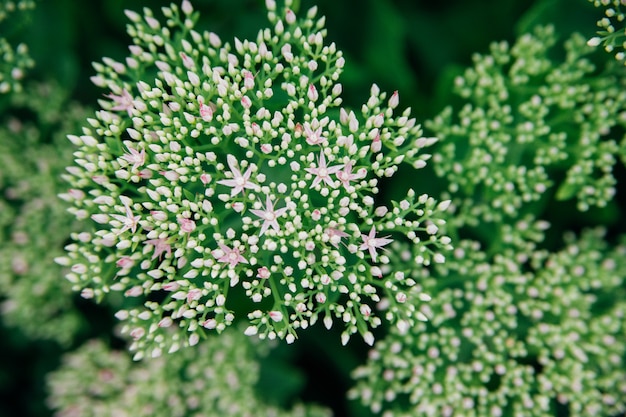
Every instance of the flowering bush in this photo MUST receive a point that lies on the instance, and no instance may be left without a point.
(236, 171)
(15, 59)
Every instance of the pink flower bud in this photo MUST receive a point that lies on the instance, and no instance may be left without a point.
(171, 286)
(290, 17)
(166, 322)
(320, 297)
(266, 148)
(209, 324)
(312, 93)
(187, 62)
(186, 7)
(238, 206)
(276, 315)
(263, 272)
(135, 291)
(365, 310)
(394, 100)
(124, 262)
(206, 112)
(316, 215)
(158, 215)
(170, 175)
(376, 144)
(137, 333)
(246, 102)
(205, 178)
(248, 80)
(187, 225)
(194, 294)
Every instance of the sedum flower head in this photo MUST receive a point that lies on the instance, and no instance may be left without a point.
(524, 332)
(216, 379)
(217, 173)
(531, 126)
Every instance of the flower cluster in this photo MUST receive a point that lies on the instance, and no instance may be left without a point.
(217, 379)
(226, 178)
(522, 333)
(527, 120)
(33, 221)
(611, 38)
(15, 59)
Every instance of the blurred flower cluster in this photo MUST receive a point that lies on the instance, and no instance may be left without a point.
(215, 379)
(232, 171)
(15, 58)
(517, 329)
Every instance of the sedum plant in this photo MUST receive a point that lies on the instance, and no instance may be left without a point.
(33, 155)
(516, 328)
(225, 180)
(217, 378)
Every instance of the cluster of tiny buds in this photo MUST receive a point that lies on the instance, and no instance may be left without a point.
(240, 171)
(611, 38)
(567, 353)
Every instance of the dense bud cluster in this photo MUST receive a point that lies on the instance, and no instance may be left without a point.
(528, 119)
(217, 379)
(611, 34)
(234, 173)
(522, 333)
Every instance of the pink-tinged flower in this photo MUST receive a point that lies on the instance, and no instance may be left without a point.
(158, 215)
(346, 175)
(248, 80)
(160, 246)
(129, 221)
(206, 112)
(170, 175)
(312, 93)
(263, 272)
(376, 144)
(171, 286)
(205, 178)
(240, 181)
(194, 295)
(124, 262)
(323, 172)
(246, 102)
(394, 100)
(186, 225)
(135, 157)
(276, 315)
(137, 333)
(187, 61)
(122, 102)
(313, 137)
(371, 243)
(135, 291)
(231, 256)
(266, 148)
(335, 236)
(316, 214)
(269, 216)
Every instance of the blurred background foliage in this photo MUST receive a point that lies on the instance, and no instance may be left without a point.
(414, 46)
